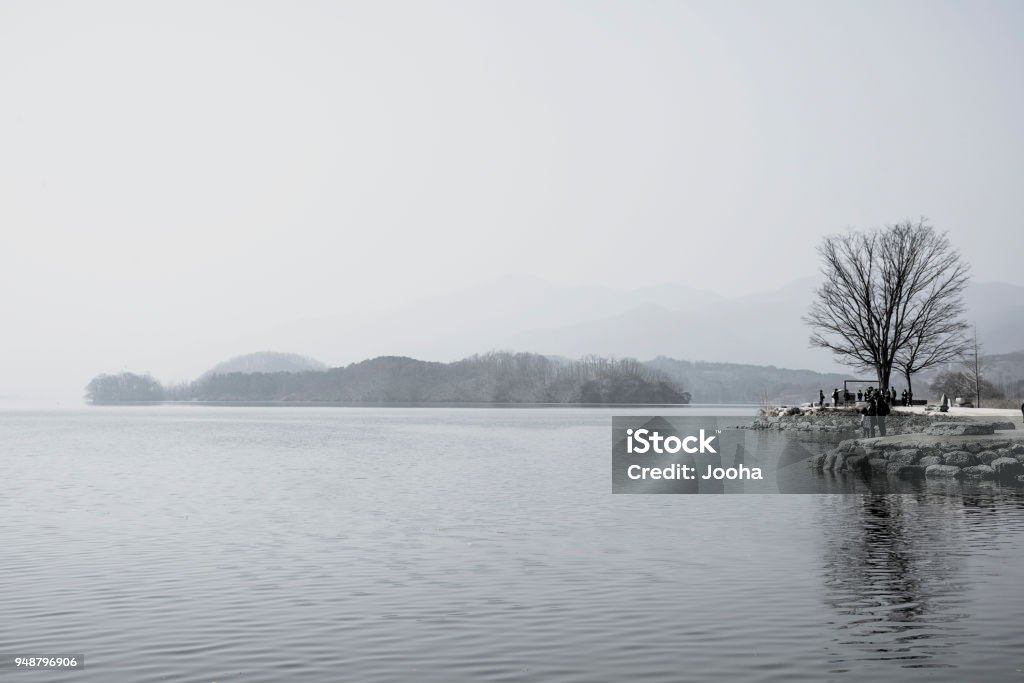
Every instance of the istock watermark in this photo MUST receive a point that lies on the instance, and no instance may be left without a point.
(693, 454)
(642, 440)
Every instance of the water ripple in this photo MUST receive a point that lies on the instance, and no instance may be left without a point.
(438, 545)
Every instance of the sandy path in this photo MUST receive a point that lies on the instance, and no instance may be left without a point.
(1009, 413)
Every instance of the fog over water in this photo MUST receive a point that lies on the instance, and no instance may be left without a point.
(176, 179)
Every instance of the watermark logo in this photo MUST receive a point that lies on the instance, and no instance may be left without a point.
(677, 455)
(644, 440)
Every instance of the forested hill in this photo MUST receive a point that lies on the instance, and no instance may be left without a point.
(743, 383)
(266, 361)
(488, 378)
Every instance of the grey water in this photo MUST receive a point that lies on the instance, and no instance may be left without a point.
(178, 543)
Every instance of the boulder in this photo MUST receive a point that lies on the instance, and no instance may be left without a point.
(859, 463)
(1017, 449)
(978, 472)
(960, 458)
(878, 464)
(839, 464)
(905, 456)
(942, 472)
(986, 457)
(906, 471)
(929, 460)
(1007, 468)
(1002, 425)
(959, 429)
(847, 446)
(830, 461)
(870, 444)
(818, 462)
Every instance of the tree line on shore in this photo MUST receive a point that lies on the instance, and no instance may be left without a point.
(512, 378)
(496, 377)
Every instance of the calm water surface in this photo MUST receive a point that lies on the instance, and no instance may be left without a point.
(356, 544)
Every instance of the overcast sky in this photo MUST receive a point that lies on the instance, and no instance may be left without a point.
(175, 170)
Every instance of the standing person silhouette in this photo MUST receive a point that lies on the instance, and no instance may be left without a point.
(872, 415)
(865, 423)
(883, 410)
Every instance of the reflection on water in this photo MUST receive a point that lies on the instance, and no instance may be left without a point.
(898, 575)
(894, 586)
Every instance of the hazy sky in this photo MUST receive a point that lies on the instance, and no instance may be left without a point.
(180, 169)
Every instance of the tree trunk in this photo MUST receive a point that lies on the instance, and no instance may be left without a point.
(884, 371)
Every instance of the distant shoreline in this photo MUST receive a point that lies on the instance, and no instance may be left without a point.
(422, 404)
(491, 378)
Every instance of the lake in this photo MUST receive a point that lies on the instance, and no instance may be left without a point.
(191, 543)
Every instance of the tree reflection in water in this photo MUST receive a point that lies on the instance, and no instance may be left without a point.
(894, 571)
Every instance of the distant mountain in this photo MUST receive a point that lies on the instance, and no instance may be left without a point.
(492, 315)
(762, 329)
(266, 361)
(673, 320)
(740, 383)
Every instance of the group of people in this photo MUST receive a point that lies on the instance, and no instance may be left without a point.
(890, 396)
(874, 413)
(877, 406)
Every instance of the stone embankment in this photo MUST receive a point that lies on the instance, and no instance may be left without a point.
(945, 450)
(839, 421)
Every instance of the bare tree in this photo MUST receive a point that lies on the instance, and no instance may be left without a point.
(938, 340)
(891, 298)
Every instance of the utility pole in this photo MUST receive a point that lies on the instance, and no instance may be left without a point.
(977, 368)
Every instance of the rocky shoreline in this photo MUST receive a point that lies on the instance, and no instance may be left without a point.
(944, 450)
(840, 421)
